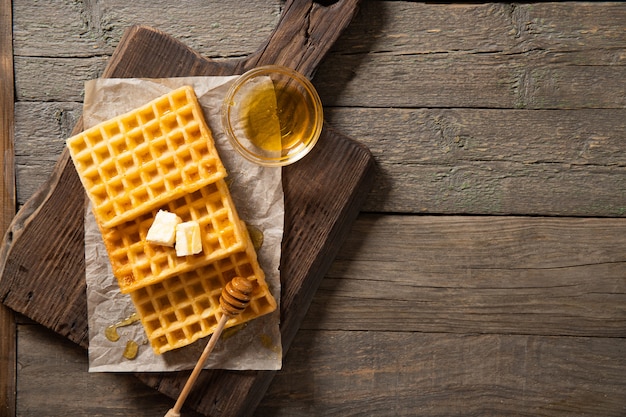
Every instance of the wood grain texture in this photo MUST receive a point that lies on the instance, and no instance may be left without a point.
(491, 109)
(338, 373)
(479, 109)
(87, 394)
(435, 374)
(90, 29)
(459, 161)
(522, 316)
(493, 161)
(472, 55)
(8, 356)
(533, 56)
(467, 274)
(40, 129)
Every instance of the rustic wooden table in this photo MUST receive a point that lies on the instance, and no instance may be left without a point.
(486, 274)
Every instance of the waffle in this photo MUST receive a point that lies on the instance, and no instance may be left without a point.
(138, 161)
(136, 263)
(182, 309)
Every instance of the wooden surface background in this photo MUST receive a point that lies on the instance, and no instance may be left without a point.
(7, 195)
(487, 272)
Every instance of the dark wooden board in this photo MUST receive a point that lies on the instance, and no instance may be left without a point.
(42, 257)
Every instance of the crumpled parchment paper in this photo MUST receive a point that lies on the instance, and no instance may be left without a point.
(258, 195)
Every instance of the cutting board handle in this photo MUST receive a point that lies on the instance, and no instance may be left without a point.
(304, 34)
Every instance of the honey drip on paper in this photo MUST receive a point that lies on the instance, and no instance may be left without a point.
(131, 349)
(268, 343)
(256, 236)
(231, 331)
(277, 119)
(111, 331)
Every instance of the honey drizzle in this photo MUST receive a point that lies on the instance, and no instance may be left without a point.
(256, 236)
(268, 343)
(131, 349)
(111, 331)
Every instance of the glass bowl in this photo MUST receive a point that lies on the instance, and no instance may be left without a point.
(272, 115)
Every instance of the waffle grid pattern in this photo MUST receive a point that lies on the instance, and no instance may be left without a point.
(182, 309)
(162, 156)
(136, 263)
(160, 151)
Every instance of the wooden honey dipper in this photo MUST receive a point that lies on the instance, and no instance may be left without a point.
(234, 299)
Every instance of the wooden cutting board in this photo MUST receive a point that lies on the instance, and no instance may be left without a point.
(42, 262)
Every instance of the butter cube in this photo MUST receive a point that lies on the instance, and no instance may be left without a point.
(163, 230)
(188, 240)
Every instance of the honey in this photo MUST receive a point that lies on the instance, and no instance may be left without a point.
(111, 331)
(259, 116)
(277, 118)
(268, 343)
(256, 236)
(131, 350)
(272, 115)
(231, 331)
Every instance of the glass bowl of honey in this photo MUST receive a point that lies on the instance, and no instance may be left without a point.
(272, 115)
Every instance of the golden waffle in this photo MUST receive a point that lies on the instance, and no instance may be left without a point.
(138, 161)
(137, 263)
(182, 309)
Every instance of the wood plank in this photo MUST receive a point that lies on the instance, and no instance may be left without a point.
(343, 373)
(381, 373)
(485, 161)
(40, 133)
(87, 29)
(480, 55)
(541, 56)
(8, 355)
(8, 362)
(37, 78)
(483, 27)
(530, 80)
(49, 361)
(469, 161)
(477, 274)
(7, 117)
(448, 79)
(94, 28)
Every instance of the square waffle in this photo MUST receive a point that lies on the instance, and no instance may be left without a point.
(137, 263)
(184, 308)
(135, 162)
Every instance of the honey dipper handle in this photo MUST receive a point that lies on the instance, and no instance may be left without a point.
(175, 412)
(234, 299)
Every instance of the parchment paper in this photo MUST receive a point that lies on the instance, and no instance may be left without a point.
(258, 196)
